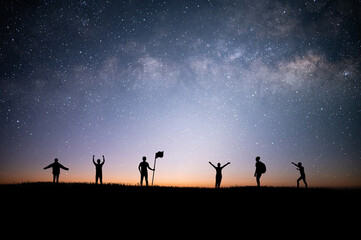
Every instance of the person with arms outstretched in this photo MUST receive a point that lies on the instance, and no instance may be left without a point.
(302, 172)
(98, 170)
(260, 169)
(56, 169)
(143, 169)
(219, 173)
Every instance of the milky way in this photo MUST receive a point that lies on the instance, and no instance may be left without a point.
(201, 80)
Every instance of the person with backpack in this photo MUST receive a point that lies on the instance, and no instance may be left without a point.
(260, 169)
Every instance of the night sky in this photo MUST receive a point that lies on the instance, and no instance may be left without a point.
(219, 81)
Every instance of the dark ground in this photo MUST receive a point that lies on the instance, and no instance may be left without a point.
(214, 212)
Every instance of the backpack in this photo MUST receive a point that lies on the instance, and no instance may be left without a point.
(262, 167)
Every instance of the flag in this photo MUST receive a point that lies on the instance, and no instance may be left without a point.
(159, 154)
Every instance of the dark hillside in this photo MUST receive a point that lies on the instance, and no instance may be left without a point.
(122, 206)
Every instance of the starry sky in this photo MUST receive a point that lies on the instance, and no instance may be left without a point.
(219, 81)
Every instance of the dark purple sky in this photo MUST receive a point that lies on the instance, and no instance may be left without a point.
(202, 80)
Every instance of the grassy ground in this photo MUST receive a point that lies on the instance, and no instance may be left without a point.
(181, 209)
(70, 193)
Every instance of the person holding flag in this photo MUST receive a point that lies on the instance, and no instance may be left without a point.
(143, 169)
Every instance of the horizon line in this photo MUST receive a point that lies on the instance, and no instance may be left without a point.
(180, 186)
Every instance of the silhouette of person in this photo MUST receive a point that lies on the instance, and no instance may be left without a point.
(302, 172)
(260, 169)
(219, 173)
(143, 169)
(56, 169)
(98, 170)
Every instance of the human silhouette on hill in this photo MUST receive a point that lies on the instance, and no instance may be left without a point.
(302, 172)
(56, 169)
(219, 173)
(98, 170)
(143, 169)
(260, 169)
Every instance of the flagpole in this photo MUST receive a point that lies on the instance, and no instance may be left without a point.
(155, 159)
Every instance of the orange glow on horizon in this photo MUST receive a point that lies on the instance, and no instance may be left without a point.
(209, 182)
(182, 173)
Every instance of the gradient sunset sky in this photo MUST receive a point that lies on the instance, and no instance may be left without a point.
(219, 81)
